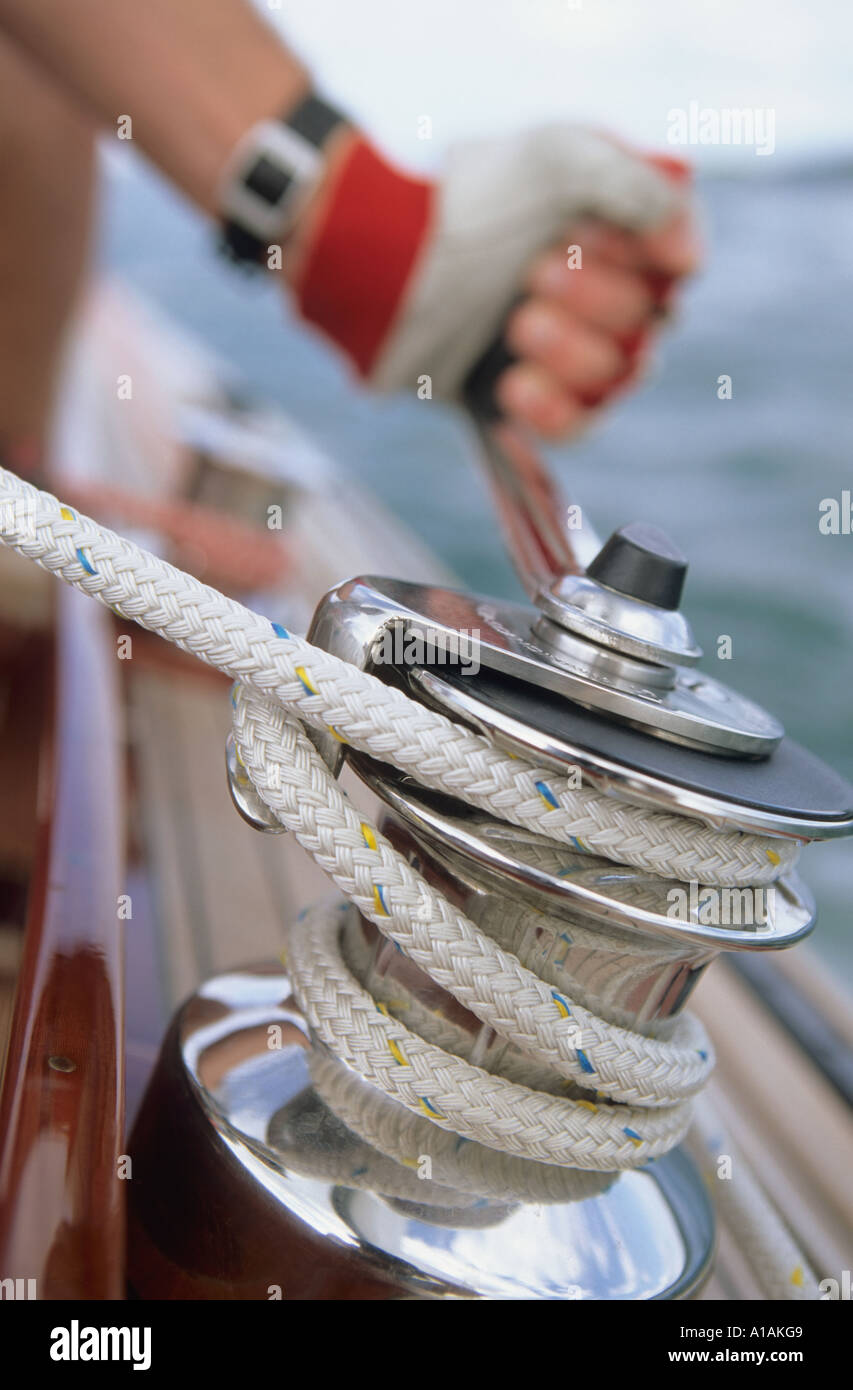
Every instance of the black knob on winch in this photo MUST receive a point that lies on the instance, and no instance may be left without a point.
(639, 560)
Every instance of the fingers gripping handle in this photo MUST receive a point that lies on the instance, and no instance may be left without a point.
(533, 512)
(478, 389)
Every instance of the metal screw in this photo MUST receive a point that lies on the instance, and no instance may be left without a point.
(61, 1064)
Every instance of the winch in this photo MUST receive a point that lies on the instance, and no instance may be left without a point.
(594, 682)
(475, 1072)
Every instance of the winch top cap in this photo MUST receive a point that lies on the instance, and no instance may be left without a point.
(691, 709)
(627, 600)
(641, 561)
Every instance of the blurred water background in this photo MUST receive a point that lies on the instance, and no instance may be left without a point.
(737, 483)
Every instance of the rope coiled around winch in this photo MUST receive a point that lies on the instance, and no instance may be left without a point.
(644, 1085)
(650, 1079)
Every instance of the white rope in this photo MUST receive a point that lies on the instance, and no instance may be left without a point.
(414, 1058)
(765, 1242)
(470, 1172)
(328, 693)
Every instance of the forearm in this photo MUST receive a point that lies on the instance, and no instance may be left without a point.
(46, 185)
(193, 75)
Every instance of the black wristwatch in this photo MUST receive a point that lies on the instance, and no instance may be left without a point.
(268, 176)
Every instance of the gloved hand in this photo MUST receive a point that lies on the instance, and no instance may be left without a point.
(414, 280)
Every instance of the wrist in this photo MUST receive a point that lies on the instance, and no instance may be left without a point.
(313, 209)
(231, 115)
(358, 248)
(272, 172)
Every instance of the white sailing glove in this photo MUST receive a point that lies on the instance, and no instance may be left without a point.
(415, 279)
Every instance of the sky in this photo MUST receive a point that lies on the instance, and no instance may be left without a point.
(482, 66)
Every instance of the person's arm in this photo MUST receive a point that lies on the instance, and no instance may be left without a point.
(411, 278)
(193, 75)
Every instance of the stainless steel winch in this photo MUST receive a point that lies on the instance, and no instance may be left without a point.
(597, 674)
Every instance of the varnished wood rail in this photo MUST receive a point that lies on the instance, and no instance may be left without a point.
(61, 1107)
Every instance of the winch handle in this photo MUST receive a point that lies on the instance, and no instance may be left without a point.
(545, 537)
(533, 511)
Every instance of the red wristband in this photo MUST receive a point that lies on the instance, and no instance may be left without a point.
(372, 228)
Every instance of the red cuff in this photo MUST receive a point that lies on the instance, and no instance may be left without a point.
(355, 274)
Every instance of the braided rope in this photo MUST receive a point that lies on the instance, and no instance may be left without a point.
(781, 1269)
(294, 782)
(643, 1085)
(329, 693)
(470, 1171)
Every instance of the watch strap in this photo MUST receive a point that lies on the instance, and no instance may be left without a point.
(267, 173)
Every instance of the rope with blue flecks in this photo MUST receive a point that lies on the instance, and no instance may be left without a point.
(641, 1086)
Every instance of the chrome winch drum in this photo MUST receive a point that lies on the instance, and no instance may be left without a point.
(626, 944)
(597, 675)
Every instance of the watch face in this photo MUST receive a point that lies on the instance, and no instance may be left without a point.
(268, 180)
(271, 168)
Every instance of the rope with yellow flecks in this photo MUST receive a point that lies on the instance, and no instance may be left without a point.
(643, 1085)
